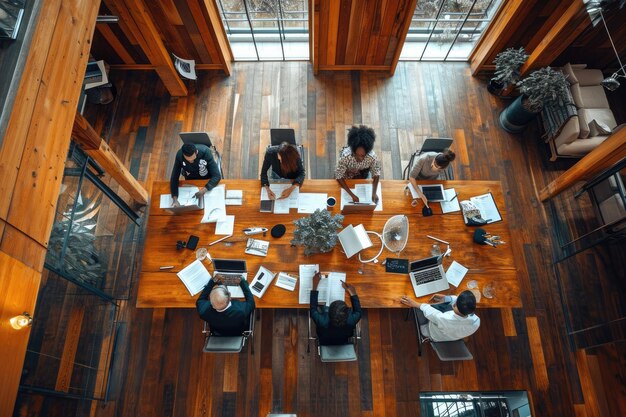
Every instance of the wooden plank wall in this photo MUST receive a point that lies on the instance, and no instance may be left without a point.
(359, 35)
(191, 29)
(32, 159)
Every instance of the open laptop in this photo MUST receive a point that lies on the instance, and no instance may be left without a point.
(351, 207)
(232, 270)
(433, 192)
(187, 207)
(427, 276)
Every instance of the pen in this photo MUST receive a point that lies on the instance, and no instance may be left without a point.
(219, 240)
(438, 240)
(454, 198)
(162, 268)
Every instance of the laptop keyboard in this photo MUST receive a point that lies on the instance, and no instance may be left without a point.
(229, 279)
(430, 275)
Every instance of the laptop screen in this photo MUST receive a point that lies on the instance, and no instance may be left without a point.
(433, 192)
(424, 263)
(229, 265)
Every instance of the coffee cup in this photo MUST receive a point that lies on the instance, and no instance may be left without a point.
(331, 201)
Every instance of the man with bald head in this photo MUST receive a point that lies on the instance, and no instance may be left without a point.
(226, 317)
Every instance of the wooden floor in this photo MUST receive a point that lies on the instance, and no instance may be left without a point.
(159, 368)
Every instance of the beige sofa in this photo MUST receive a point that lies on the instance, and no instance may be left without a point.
(577, 137)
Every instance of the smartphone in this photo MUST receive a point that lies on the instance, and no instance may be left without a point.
(192, 242)
(267, 206)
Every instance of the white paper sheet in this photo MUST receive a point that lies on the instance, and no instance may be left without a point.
(450, 206)
(234, 197)
(225, 226)
(335, 289)
(364, 192)
(413, 191)
(309, 202)
(214, 205)
(306, 282)
(282, 204)
(195, 276)
(185, 197)
(455, 273)
(487, 206)
(286, 281)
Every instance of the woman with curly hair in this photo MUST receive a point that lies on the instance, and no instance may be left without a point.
(358, 160)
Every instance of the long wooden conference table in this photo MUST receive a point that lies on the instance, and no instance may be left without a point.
(376, 288)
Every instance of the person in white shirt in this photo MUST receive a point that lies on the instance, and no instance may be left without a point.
(452, 318)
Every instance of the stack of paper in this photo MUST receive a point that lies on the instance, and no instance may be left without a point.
(234, 197)
(225, 226)
(306, 282)
(214, 205)
(282, 205)
(195, 277)
(364, 192)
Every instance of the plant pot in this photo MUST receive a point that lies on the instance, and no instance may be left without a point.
(515, 117)
(495, 87)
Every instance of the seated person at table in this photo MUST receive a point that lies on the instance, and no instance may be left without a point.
(431, 166)
(282, 162)
(452, 319)
(226, 317)
(194, 162)
(358, 160)
(335, 324)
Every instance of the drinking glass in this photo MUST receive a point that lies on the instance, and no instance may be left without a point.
(472, 284)
(202, 254)
(489, 290)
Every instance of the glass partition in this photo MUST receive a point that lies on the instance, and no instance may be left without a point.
(475, 404)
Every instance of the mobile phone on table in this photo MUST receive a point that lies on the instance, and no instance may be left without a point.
(192, 242)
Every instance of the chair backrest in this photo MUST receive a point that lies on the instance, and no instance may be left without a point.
(278, 136)
(228, 344)
(185, 67)
(336, 353)
(436, 144)
(202, 138)
(452, 351)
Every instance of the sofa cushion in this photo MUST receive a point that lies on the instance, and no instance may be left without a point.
(598, 128)
(604, 116)
(568, 71)
(591, 96)
(583, 125)
(588, 77)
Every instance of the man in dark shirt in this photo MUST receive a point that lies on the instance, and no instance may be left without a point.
(226, 317)
(194, 162)
(336, 324)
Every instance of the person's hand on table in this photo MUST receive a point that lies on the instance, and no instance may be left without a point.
(349, 287)
(316, 279)
(175, 202)
(286, 192)
(374, 198)
(218, 279)
(200, 193)
(355, 199)
(270, 193)
(409, 302)
(437, 298)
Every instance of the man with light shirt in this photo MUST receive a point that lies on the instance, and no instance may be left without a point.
(226, 317)
(452, 318)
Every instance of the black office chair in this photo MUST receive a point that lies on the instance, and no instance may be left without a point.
(202, 138)
(228, 344)
(430, 145)
(455, 350)
(278, 136)
(335, 353)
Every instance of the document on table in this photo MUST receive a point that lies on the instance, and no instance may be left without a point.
(282, 205)
(286, 281)
(330, 288)
(309, 202)
(186, 197)
(450, 205)
(234, 197)
(364, 192)
(225, 226)
(487, 206)
(413, 191)
(455, 273)
(214, 205)
(195, 277)
(306, 282)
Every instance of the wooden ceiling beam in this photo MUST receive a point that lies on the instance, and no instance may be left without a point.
(139, 23)
(115, 43)
(85, 136)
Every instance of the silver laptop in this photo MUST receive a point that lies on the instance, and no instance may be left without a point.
(433, 192)
(187, 208)
(232, 270)
(358, 208)
(427, 276)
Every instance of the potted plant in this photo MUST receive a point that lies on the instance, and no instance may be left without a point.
(318, 232)
(508, 64)
(542, 87)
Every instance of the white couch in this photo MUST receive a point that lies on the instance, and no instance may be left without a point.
(577, 138)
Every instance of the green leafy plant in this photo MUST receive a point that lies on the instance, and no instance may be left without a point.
(508, 64)
(542, 87)
(318, 232)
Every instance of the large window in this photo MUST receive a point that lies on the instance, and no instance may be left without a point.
(447, 30)
(267, 30)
